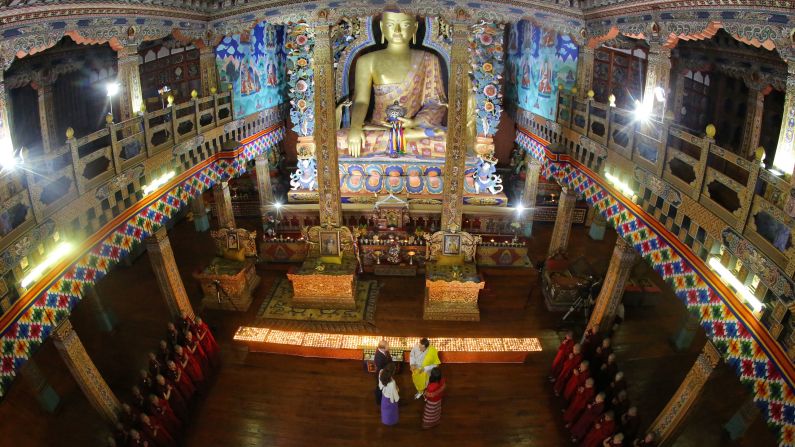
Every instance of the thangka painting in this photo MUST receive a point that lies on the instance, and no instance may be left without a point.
(540, 62)
(253, 65)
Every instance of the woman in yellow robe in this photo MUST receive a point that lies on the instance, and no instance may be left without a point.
(424, 358)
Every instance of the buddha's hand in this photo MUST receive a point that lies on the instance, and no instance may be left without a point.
(408, 123)
(355, 137)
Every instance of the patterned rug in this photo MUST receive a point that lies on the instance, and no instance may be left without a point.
(277, 311)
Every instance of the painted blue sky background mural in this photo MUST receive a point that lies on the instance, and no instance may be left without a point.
(254, 66)
(540, 62)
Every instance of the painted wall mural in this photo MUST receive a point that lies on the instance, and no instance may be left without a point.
(540, 62)
(253, 64)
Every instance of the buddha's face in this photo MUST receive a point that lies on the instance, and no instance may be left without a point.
(397, 27)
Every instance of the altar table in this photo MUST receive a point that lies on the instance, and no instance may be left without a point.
(451, 292)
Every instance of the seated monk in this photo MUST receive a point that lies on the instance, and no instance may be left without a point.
(404, 79)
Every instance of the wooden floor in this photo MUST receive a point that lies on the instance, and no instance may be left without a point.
(263, 400)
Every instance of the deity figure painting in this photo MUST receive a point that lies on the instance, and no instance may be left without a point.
(329, 243)
(451, 244)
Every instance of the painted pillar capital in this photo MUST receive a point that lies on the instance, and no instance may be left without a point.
(85, 372)
(168, 280)
(672, 416)
(560, 234)
(223, 205)
(455, 152)
(325, 135)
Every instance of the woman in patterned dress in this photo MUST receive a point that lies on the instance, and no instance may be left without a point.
(433, 399)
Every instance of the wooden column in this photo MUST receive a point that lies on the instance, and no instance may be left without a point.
(621, 262)
(753, 118)
(742, 419)
(223, 205)
(5, 111)
(47, 120)
(560, 234)
(784, 159)
(658, 74)
(264, 181)
(667, 423)
(200, 220)
(85, 372)
(207, 69)
(46, 396)
(456, 151)
(168, 280)
(325, 136)
(585, 70)
(129, 78)
(530, 192)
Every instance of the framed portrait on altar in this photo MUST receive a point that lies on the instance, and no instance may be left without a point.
(232, 241)
(329, 243)
(451, 244)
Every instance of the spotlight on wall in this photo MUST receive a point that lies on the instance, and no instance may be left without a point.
(56, 255)
(520, 208)
(113, 88)
(277, 205)
(727, 277)
(158, 182)
(8, 158)
(620, 185)
(642, 110)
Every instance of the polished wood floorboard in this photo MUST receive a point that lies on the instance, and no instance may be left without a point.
(263, 400)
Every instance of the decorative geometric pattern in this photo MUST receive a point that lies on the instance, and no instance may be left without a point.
(745, 345)
(58, 292)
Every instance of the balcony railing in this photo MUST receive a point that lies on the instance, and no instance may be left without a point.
(741, 192)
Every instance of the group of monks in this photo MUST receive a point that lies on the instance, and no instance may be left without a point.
(179, 370)
(597, 411)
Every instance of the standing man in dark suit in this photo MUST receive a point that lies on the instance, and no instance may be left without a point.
(381, 359)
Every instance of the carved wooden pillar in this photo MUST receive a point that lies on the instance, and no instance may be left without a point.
(264, 181)
(455, 153)
(129, 78)
(85, 372)
(5, 110)
(223, 205)
(328, 175)
(530, 192)
(200, 220)
(618, 271)
(563, 220)
(658, 74)
(585, 70)
(674, 413)
(753, 118)
(207, 68)
(49, 129)
(165, 267)
(784, 160)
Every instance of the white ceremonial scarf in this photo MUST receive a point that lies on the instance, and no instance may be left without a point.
(390, 390)
(417, 357)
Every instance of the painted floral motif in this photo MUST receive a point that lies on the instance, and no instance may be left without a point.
(300, 42)
(487, 67)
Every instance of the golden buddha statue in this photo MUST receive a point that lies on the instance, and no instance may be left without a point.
(407, 85)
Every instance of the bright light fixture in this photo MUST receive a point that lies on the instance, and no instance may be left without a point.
(277, 205)
(642, 110)
(727, 277)
(56, 255)
(158, 182)
(7, 159)
(113, 88)
(520, 208)
(623, 187)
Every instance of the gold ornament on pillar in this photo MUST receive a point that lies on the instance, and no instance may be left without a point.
(710, 131)
(194, 94)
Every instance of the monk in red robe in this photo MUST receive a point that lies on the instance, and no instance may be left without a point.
(165, 391)
(630, 423)
(617, 440)
(581, 399)
(208, 342)
(195, 349)
(564, 350)
(568, 368)
(161, 412)
(180, 381)
(617, 385)
(592, 412)
(137, 440)
(600, 431)
(189, 365)
(158, 435)
(587, 343)
(577, 379)
(647, 441)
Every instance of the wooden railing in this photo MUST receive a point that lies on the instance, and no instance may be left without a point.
(735, 189)
(83, 164)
